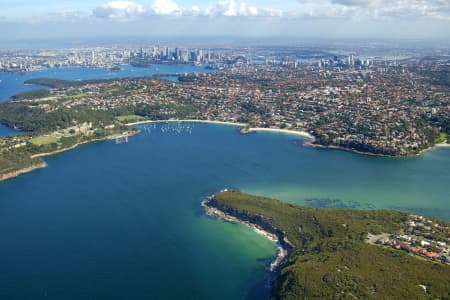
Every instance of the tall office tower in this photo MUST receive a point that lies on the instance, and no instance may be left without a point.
(351, 60)
(167, 50)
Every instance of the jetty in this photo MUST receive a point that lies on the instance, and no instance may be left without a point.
(122, 139)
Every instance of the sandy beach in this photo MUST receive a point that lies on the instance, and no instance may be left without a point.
(286, 131)
(256, 129)
(442, 145)
(281, 253)
(188, 121)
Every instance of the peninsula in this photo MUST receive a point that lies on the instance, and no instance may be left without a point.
(356, 109)
(328, 253)
(390, 110)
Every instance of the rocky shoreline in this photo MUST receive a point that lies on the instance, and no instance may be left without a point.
(13, 174)
(420, 153)
(258, 223)
(17, 173)
(79, 144)
(320, 146)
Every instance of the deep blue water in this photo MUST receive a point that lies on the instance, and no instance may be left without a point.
(4, 131)
(13, 83)
(108, 221)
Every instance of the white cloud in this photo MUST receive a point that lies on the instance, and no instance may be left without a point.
(230, 8)
(271, 12)
(195, 10)
(310, 9)
(308, 18)
(352, 2)
(227, 8)
(165, 8)
(375, 9)
(119, 10)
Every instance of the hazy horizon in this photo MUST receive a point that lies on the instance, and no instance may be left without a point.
(220, 42)
(395, 20)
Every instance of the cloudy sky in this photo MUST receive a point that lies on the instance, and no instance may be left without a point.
(381, 19)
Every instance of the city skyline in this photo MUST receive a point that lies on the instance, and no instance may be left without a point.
(345, 19)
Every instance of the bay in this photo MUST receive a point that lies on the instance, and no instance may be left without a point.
(13, 83)
(5, 131)
(108, 221)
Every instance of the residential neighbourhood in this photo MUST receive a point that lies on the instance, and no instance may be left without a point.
(421, 236)
(394, 109)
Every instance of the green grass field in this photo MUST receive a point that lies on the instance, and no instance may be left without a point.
(44, 140)
(72, 97)
(115, 90)
(442, 138)
(130, 118)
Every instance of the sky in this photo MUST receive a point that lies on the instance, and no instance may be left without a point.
(338, 19)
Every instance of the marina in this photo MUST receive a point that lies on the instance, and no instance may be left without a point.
(167, 128)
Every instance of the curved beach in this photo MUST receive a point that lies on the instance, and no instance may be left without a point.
(252, 129)
(286, 131)
(186, 121)
(283, 251)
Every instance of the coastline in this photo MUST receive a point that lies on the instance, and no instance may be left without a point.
(303, 134)
(78, 144)
(63, 149)
(17, 173)
(286, 131)
(282, 253)
(420, 153)
(186, 121)
(310, 144)
(439, 145)
(14, 174)
(252, 129)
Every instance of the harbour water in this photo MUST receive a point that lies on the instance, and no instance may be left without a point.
(13, 83)
(108, 221)
(5, 131)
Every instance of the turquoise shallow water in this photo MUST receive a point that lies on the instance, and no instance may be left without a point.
(108, 221)
(418, 184)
